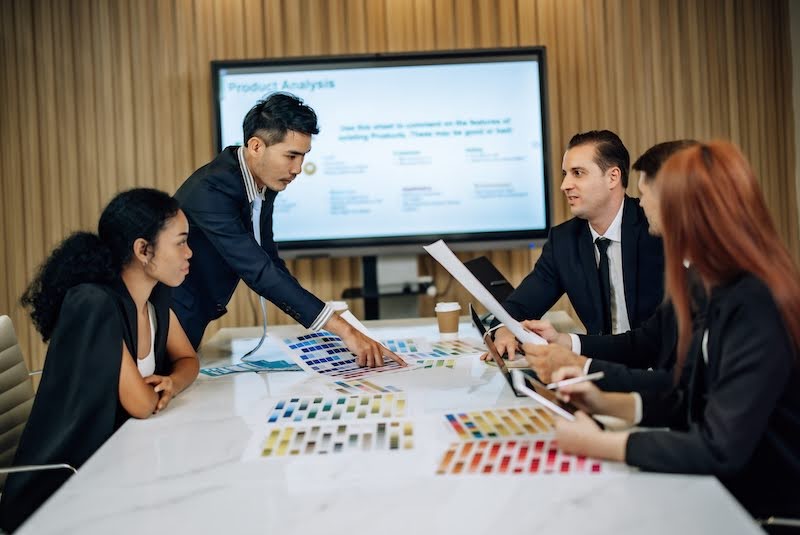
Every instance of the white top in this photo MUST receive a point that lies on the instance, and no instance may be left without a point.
(147, 365)
(619, 311)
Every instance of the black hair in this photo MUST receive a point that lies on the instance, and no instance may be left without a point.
(609, 150)
(276, 115)
(86, 257)
(653, 158)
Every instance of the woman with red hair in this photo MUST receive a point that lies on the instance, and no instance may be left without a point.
(735, 410)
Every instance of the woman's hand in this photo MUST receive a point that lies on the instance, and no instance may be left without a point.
(586, 396)
(577, 437)
(164, 387)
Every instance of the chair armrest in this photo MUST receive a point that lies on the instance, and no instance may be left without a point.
(37, 467)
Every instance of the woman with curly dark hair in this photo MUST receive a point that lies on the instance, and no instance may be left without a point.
(116, 349)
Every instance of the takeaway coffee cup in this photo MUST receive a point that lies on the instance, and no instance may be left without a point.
(447, 315)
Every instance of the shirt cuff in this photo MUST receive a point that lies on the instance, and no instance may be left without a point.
(587, 366)
(637, 408)
(322, 319)
(493, 329)
(576, 344)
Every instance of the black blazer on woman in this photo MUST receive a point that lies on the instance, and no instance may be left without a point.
(77, 406)
(740, 416)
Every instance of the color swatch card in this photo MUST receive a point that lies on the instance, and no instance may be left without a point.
(436, 363)
(406, 345)
(326, 354)
(501, 423)
(362, 386)
(254, 366)
(314, 409)
(331, 437)
(420, 348)
(514, 457)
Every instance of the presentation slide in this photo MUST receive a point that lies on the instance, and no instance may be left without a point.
(407, 150)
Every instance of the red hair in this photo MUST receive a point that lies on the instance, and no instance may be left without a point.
(713, 215)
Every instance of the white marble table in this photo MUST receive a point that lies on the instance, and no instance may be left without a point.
(182, 471)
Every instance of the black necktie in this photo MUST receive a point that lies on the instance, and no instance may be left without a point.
(605, 283)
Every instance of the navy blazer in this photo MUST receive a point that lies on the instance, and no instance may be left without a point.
(567, 265)
(225, 250)
(739, 416)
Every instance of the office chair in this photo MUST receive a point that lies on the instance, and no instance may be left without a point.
(16, 401)
(779, 526)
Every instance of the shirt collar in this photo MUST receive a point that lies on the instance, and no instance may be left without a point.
(614, 231)
(250, 186)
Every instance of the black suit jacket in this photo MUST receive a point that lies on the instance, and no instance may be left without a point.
(225, 250)
(567, 265)
(77, 406)
(642, 359)
(740, 416)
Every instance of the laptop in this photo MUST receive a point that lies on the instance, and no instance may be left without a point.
(523, 383)
(490, 277)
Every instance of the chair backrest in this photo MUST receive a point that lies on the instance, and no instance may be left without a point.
(16, 394)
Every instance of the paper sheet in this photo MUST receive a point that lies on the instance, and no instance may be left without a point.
(442, 253)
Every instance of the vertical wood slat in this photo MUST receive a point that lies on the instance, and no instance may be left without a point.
(101, 95)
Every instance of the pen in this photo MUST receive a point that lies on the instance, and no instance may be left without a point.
(566, 382)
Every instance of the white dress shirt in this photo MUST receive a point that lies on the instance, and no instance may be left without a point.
(619, 309)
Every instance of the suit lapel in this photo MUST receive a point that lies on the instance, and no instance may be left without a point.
(586, 255)
(631, 228)
(130, 329)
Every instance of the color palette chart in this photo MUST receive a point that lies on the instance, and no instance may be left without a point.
(436, 363)
(313, 409)
(326, 354)
(407, 345)
(362, 386)
(330, 437)
(421, 349)
(513, 457)
(500, 423)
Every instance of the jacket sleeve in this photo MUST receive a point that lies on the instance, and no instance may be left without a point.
(620, 378)
(639, 348)
(540, 290)
(217, 214)
(755, 359)
(75, 409)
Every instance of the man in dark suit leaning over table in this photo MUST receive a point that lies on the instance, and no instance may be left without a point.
(223, 198)
(604, 258)
(641, 359)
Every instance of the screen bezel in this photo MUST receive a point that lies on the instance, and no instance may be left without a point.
(403, 244)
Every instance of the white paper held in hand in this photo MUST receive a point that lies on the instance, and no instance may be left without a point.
(352, 320)
(442, 253)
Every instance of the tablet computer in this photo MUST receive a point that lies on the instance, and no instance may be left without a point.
(538, 391)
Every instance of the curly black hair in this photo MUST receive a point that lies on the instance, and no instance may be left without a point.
(86, 257)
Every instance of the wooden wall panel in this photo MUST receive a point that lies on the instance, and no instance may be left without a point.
(103, 95)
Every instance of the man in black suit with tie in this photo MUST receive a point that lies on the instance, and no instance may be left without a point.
(641, 359)
(224, 198)
(604, 258)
